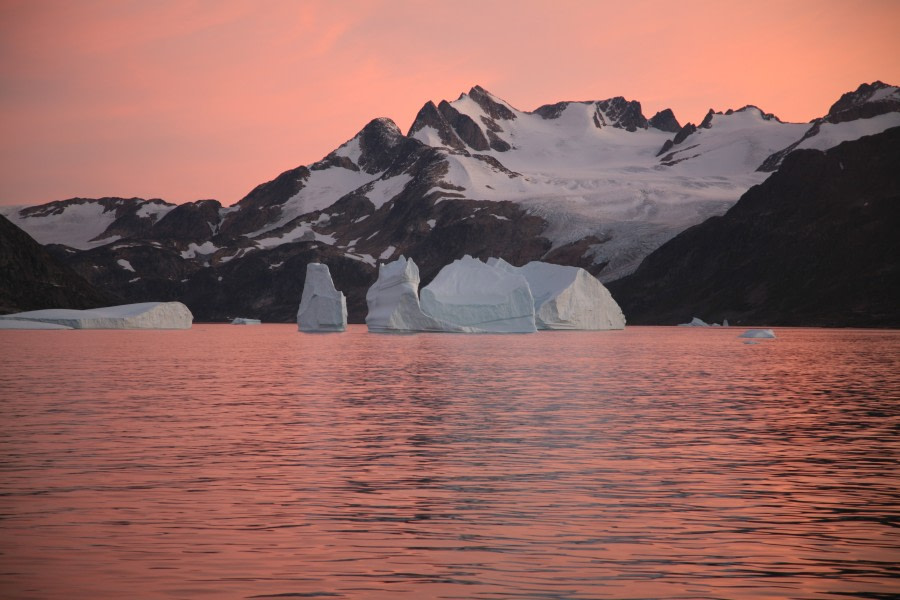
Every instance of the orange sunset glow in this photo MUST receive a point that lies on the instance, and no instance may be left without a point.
(189, 100)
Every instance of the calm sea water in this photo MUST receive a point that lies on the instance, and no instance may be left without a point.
(259, 462)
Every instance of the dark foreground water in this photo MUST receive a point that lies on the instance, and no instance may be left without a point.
(259, 462)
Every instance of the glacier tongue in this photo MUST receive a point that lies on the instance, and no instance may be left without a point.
(145, 315)
(567, 297)
(393, 302)
(470, 293)
(322, 306)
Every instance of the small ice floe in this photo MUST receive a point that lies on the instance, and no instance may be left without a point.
(758, 333)
(243, 321)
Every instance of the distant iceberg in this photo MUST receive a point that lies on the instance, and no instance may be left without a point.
(695, 322)
(567, 297)
(145, 315)
(484, 297)
(758, 333)
(322, 307)
(243, 321)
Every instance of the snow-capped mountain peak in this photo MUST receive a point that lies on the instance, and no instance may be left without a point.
(871, 108)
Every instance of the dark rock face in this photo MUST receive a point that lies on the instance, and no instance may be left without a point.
(706, 123)
(665, 120)
(263, 203)
(464, 126)
(682, 135)
(191, 222)
(624, 114)
(380, 142)
(859, 104)
(429, 116)
(32, 279)
(491, 107)
(620, 113)
(551, 111)
(816, 244)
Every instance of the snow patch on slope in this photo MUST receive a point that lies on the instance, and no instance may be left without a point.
(76, 226)
(832, 134)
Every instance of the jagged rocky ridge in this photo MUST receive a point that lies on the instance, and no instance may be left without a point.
(575, 183)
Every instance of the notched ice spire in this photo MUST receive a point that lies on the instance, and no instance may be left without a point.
(322, 306)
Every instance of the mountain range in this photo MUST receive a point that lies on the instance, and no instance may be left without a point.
(594, 184)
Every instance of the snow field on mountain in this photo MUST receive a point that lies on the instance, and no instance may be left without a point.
(832, 134)
(76, 226)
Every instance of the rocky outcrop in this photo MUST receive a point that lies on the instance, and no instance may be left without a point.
(624, 114)
(189, 222)
(430, 116)
(816, 244)
(490, 105)
(665, 120)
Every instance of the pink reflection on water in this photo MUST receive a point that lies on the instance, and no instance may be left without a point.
(239, 462)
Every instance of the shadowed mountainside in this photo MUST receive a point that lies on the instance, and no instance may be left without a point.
(815, 244)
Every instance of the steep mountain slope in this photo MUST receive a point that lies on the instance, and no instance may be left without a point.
(815, 244)
(31, 279)
(870, 109)
(593, 184)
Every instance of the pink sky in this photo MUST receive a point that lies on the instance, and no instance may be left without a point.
(185, 100)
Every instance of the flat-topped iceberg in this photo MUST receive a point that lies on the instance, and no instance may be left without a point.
(758, 333)
(145, 315)
(23, 324)
(393, 301)
(567, 297)
(322, 306)
(245, 321)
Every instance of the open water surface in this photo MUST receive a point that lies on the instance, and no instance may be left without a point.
(259, 462)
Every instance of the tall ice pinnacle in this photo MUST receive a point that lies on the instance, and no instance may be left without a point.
(322, 306)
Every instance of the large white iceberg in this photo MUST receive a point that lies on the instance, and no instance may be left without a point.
(567, 297)
(393, 301)
(145, 315)
(322, 306)
(487, 298)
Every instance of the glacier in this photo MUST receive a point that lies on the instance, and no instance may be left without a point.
(144, 315)
(485, 297)
(322, 307)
